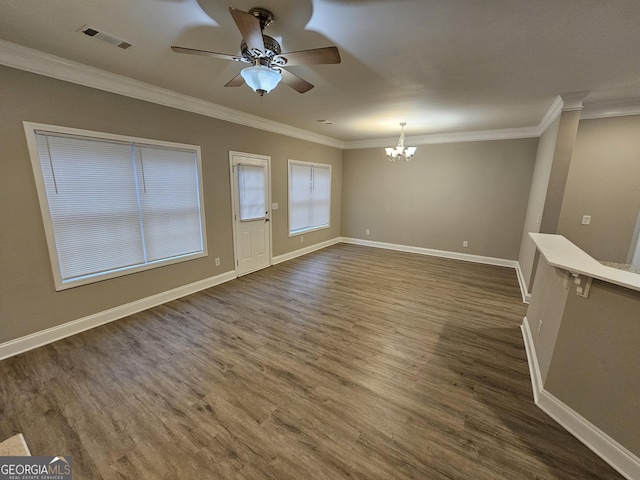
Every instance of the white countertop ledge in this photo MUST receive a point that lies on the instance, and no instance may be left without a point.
(561, 253)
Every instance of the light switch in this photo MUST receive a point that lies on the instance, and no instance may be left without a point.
(274, 206)
(586, 220)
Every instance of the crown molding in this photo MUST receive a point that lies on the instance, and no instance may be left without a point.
(34, 61)
(616, 108)
(478, 136)
(611, 109)
(573, 101)
(458, 137)
(554, 112)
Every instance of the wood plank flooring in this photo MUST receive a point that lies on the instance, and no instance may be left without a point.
(349, 362)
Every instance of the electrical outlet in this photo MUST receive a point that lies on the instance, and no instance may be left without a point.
(367, 231)
(301, 238)
(465, 244)
(217, 260)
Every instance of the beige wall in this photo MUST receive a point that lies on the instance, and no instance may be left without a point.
(537, 195)
(549, 296)
(448, 193)
(587, 350)
(604, 182)
(595, 368)
(28, 300)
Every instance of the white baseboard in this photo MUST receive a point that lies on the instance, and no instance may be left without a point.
(50, 335)
(532, 359)
(621, 459)
(305, 250)
(43, 337)
(503, 262)
(526, 296)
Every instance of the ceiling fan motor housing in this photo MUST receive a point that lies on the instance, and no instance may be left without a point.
(271, 47)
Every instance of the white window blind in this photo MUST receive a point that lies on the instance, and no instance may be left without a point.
(114, 206)
(309, 196)
(169, 202)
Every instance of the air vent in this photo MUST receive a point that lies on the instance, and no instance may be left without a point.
(105, 37)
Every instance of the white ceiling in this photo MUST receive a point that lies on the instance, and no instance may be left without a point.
(442, 66)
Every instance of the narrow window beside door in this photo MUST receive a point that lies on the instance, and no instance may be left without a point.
(114, 205)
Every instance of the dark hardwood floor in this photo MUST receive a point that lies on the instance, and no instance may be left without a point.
(349, 362)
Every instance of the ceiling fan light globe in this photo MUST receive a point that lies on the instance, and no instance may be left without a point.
(261, 79)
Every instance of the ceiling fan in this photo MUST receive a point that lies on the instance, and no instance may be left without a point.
(268, 63)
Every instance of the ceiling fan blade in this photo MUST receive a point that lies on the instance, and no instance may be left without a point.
(205, 53)
(295, 82)
(249, 27)
(316, 56)
(235, 81)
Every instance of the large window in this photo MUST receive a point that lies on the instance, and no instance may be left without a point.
(309, 196)
(114, 205)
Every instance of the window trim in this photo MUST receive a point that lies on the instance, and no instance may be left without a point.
(31, 129)
(306, 164)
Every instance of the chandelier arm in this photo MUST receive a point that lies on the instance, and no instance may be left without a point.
(400, 151)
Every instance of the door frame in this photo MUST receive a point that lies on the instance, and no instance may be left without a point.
(234, 213)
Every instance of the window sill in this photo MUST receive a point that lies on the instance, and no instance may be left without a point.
(307, 230)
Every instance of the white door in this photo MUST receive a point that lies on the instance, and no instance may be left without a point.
(250, 181)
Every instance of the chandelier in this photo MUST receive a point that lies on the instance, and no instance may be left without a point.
(400, 151)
